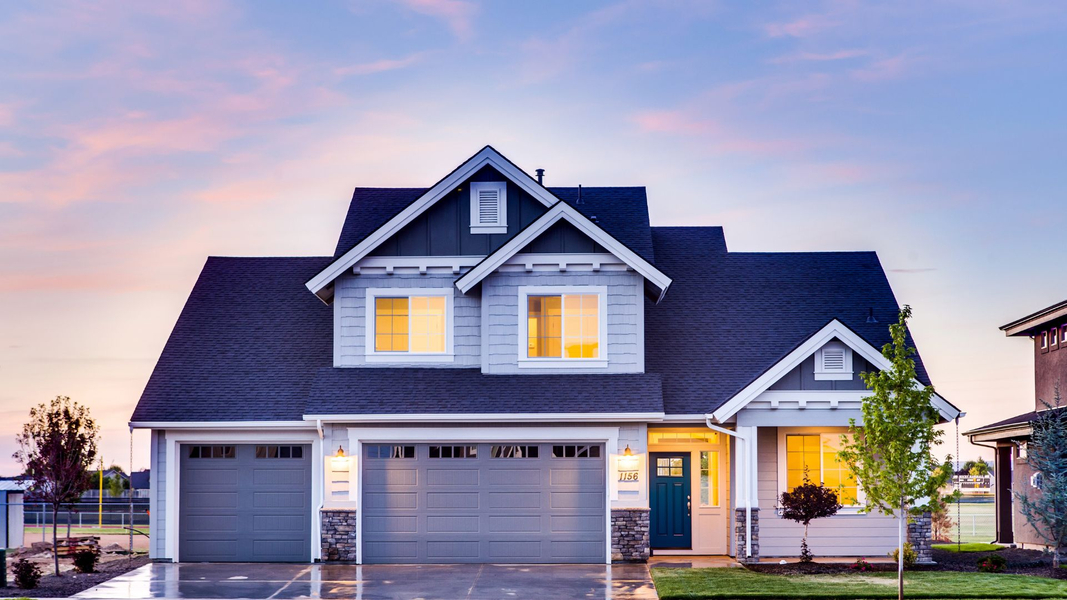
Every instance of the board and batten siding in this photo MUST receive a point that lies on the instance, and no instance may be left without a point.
(841, 535)
(350, 302)
(625, 319)
(157, 503)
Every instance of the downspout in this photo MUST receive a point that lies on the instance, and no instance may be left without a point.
(748, 484)
(321, 461)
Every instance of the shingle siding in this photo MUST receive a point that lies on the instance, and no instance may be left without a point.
(158, 498)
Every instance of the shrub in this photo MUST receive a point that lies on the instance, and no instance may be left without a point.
(85, 560)
(27, 574)
(806, 503)
(862, 566)
(909, 555)
(994, 563)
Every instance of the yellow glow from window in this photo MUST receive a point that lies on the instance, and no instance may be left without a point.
(709, 479)
(415, 324)
(836, 475)
(565, 326)
(544, 326)
(801, 452)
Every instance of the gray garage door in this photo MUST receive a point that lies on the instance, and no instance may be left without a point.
(245, 503)
(505, 503)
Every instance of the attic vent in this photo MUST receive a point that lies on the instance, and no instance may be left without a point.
(833, 362)
(489, 207)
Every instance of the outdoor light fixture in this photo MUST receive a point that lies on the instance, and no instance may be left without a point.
(627, 451)
(628, 462)
(339, 462)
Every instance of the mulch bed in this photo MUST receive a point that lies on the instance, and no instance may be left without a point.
(71, 583)
(1021, 562)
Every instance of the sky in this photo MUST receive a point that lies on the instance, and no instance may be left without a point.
(138, 138)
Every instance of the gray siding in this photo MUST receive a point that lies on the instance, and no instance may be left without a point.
(625, 338)
(350, 302)
(840, 535)
(803, 377)
(158, 498)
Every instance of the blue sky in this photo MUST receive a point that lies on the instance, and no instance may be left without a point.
(138, 138)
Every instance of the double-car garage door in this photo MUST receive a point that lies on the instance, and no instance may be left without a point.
(495, 502)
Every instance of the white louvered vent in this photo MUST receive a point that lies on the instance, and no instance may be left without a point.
(833, 361)
(489, 207)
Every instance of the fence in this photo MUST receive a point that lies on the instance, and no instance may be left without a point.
(85, 514)
(975, 522)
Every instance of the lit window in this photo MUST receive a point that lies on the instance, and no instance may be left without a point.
(669, 467)
(816, 455)
(413, 324)
(709, 478)
(563, 326)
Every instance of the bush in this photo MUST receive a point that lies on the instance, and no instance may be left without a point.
(27, 574)
(909, 555)
(85, 560)
(994, 563)
(862, 566)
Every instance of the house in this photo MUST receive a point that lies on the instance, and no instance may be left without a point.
(12, 509)
(491, 370)
(1008, 438)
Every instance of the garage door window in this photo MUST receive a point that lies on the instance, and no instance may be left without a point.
(379, 451)
(453, 451)
(212, 452)
(572, 451)
(279, 452)
(513, 452)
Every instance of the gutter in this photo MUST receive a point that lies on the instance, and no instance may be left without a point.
(748, 484)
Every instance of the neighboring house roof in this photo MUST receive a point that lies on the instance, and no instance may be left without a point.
(730, 316)
(371, 392)
(1009, 426)
(1028, 324)
(141, 480)
(12, 485)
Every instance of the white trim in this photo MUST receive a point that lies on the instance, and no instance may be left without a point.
(783, 477)
(372, 355)
(527, 362)
(153, 484)
(220, 425)
(833, 329)
(490, 418)
(562, 210)
(175, 438)
(609, 436)
(487, 156)
(501, 223)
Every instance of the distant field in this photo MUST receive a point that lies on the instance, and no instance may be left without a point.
(978, 521)
(75, 530)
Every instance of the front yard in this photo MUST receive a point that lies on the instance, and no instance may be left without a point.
(676, 584)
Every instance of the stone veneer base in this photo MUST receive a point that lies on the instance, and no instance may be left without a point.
(920, 534)
(629, 534)
(739, 536)
(339, 543)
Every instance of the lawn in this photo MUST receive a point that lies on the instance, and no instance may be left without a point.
(978, 521)
(681, 584)
(972, 547)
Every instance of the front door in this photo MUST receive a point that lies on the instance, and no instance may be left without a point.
(671, 520)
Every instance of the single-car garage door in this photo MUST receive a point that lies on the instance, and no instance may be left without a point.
(500, 502)
(245, 503)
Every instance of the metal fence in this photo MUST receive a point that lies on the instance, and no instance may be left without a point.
(87, 514)
(974, 522)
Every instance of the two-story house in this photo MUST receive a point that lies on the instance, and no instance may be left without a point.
(491, 370)
(1045, 329)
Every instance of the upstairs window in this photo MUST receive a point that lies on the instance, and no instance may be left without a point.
(409, 328)
(489, 207)
(833, 362)
(563, 326)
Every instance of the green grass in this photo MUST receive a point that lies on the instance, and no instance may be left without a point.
(978, 521)
(972, 547)
(688, 584)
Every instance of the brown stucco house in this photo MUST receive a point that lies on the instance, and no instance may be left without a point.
(1046, 329)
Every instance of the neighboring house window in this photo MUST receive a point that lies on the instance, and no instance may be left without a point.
(1053, 337)
(833, 362)
(709, 478)
(1020, 451)
(1063, 332)
(1044, 340)
(409, 328)
(562, 326)
(816, 455)
(1036, 481)
(489, 207)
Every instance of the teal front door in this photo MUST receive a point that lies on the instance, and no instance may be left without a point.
(671, 523)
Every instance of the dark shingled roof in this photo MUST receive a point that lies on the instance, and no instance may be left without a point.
(620, 211)
(1022, 419)
(245, 347)
(730, 316)
(464, 391)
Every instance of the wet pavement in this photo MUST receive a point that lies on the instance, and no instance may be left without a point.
(443, 582)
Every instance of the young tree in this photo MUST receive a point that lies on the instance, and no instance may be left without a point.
(806, 503)
(891, 454)
(57, 448)
(1046, 454)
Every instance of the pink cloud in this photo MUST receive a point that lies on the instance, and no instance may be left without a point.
(379, 66)
(883, 70)
(819, 57)
(801, 27)
(673, 122)
(456, 13)
(7, 114)
(711, 135)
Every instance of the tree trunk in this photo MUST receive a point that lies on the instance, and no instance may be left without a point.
(1055, 559)
(68, 523)
(900, 553)
(55, 535)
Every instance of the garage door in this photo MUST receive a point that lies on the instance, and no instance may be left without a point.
(245, 503)
(505, 502)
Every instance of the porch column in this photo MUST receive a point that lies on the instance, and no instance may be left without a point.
(746, 513)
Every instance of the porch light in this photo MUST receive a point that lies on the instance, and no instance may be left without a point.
(339, 462)
(628, 462)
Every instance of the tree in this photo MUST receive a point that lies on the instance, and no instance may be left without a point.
(1046, 454)
(806, 503)
(891, 454)
(57, 448)
(974, 468)
(116, 484)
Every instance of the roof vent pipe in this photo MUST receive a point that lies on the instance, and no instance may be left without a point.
(579, 200)
(541, 176)
(870, 316)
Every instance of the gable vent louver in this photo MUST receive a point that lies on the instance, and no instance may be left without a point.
(488, 207)
(833, 359)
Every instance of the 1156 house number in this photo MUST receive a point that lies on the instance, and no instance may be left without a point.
(628, 476)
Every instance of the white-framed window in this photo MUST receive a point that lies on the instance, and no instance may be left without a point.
(709, 478)
(489, 207)
(409, 325)
(1053, 336)
(562, 326)
(815, 453)
(833, 362)
(1044, 340)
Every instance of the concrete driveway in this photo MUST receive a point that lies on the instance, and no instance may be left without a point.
(446, 582)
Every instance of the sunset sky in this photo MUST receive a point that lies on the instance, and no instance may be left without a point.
(138, 138)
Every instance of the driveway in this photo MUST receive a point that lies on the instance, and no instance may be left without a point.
(446, 582)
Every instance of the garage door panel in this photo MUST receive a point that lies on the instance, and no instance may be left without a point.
(279, 523)
(575, 477)
(468, 500)
(392, 550)
(209, 549)
(453, 524)
(528, 477)
(572, 550)
(197, 523)
(209, 477)
(515, 549)
(515, 524)
(403, 477)
(574, 524)
(200, 501)
(396, 500)
(451, 550)
(279, 477)
(448, 477)
(576, 500)
(379, 524)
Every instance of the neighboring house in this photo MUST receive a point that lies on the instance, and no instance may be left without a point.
(490, 370)
(12, 497)
(1046, 329)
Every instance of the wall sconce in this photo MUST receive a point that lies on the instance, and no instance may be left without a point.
(339, 462)
(628, 462)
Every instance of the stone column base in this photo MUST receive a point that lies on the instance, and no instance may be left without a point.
(739, 536)
(629, 534)
(920, 535)
(339, 543)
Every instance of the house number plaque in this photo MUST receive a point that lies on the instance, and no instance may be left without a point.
(628, 476)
